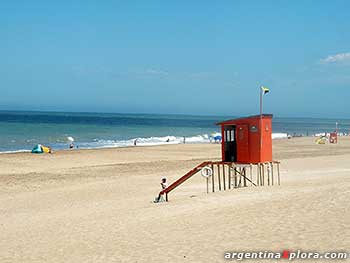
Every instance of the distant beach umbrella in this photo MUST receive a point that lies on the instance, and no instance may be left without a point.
(71, 139)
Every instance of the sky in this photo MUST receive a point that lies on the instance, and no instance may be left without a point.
(181, 57)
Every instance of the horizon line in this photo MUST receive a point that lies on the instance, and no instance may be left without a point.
(171, 114)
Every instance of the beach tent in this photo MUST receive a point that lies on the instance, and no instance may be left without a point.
(37, 149)
(321, 140)
(41, 149)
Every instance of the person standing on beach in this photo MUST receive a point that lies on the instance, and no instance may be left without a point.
(135, 142)
(184, 139)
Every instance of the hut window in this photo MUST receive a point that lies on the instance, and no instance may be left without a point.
(229, 135)
(232, 135)
(253, 128)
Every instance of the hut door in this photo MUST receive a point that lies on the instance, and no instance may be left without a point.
(242, 143)
(230, 144)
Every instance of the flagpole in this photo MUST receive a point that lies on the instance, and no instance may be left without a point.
(261, 102)
(261, 116)
(336, 127)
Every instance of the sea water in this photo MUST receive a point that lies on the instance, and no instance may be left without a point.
(20, 131)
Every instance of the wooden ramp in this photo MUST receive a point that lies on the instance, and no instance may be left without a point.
(182, 179)
(230, 175)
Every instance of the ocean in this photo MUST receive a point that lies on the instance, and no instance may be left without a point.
(21, 130)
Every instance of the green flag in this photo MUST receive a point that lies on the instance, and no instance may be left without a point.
(265, 90)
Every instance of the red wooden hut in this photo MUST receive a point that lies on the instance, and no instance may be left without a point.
(247, 140)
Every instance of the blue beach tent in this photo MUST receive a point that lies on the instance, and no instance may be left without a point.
(37, 149)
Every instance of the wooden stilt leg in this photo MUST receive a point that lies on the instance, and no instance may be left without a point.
(278, 173)
(235, 174)
(244, 173)
(229, 177)
(272, 173)
(268, 173)
(240, 177)
(251, 174)
(263, 174)
(212, 178)
(257, 174)
(207, 185)
(223, 176)
(219, 179)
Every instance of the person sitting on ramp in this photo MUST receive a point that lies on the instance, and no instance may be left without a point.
(164, 185)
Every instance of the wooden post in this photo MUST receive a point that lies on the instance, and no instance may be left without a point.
(278, 173)
(258, 174)
(244, 173)
(268, 174)
(212, 179)
(219, 179)
(235, 174)
(239, 172)
(272, 173)
(251, 174)
(263, 174)
(223, 175)
(207, 185)
(229, 177)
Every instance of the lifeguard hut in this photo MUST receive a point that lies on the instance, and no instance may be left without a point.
(333, 137)
(247, 140)
(246, 157)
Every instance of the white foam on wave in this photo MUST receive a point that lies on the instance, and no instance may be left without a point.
(279, 135)
(148, 141)
(164, 140)
(16, 151)
(153, 141)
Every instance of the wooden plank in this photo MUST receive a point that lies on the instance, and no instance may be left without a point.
(212, 179)
(263, 174)
(207, 179)
(240, 177)
(219, 179)
(251, 174)
(272, 182)
(244, 173)
(235, 174)
(223, 175)
(229, 177)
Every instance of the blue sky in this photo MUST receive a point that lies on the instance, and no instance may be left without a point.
(187, 57)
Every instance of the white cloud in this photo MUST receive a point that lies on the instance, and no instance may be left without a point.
(341, 57)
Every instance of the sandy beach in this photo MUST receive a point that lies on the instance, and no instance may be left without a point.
(96, 205)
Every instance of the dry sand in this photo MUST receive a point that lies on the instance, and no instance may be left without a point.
(96, 205)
